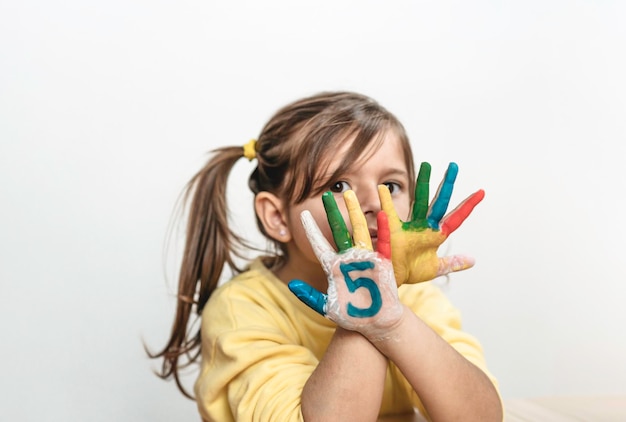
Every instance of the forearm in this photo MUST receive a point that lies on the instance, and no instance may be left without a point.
(449, 386)
(348, 383)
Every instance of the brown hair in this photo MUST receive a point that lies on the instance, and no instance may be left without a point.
(293, 152)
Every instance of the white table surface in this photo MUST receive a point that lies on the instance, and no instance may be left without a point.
(552, 409)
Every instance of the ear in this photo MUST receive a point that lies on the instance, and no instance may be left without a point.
(270, 210)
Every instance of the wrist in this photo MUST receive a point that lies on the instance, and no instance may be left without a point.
(390, 332)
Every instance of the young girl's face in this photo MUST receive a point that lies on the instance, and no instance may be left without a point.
(386, 165)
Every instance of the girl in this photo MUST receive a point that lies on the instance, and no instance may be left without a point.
(266, 356)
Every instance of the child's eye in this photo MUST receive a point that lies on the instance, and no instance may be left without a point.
(339, 187)
(393, 187)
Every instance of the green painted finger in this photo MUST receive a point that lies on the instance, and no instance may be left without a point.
(341, 235)
(420, 206)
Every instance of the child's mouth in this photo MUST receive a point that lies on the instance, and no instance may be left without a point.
(374, 237)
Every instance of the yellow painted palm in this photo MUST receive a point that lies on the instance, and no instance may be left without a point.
(414, 243)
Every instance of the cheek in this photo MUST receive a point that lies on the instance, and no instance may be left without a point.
(298, 233)
(322, 223)
(403, 207)
(319, 215)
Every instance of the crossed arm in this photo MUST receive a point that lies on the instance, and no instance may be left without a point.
(374, 327)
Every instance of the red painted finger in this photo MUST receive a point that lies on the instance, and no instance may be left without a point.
(454, 220)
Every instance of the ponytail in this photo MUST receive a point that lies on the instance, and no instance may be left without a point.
(209, 245)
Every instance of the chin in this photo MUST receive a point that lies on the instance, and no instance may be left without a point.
(375, 243)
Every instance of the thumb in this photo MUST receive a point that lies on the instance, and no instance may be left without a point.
(453, 263)
(311, 297)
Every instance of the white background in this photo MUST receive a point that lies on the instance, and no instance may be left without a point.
(107, 108)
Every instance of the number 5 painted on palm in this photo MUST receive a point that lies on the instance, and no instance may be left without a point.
(365, 282)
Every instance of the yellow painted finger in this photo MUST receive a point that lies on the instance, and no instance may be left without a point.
(386, 203)
(360, 232)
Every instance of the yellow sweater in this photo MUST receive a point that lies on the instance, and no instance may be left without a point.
(260, 344)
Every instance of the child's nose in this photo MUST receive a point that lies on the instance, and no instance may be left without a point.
(369, 201)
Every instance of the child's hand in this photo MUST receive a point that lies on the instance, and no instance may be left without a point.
(362, 293)
(414, 243)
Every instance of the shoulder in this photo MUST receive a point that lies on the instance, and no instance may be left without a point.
(423, 293)
(255, 288)
(256, 280)
(253, 299)
(430, 303)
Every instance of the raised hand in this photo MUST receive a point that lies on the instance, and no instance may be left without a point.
(362, 293)
(414, 243)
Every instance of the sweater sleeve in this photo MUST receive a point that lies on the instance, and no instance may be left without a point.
(253, 366)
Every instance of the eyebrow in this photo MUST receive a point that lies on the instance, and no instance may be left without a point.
(397, 172)
(389, 173)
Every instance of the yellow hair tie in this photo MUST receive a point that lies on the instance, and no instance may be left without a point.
(249, 150)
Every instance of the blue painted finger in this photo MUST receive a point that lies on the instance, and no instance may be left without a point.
(313, 298)
(442, 200)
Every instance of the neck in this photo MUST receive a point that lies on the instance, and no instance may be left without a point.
(298, 267)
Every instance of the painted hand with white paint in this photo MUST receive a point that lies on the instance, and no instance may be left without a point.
(362, 293)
